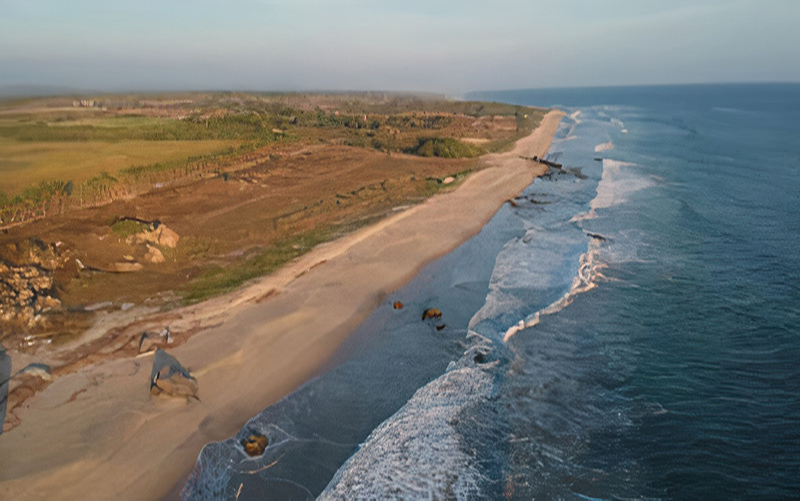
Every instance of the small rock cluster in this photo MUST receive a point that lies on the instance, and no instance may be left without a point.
(156, 238)
(160, 235)
(433, 313)
(26, 289)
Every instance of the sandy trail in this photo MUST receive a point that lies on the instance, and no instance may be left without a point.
(97, 433)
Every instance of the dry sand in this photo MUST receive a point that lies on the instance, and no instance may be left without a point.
(98, 434)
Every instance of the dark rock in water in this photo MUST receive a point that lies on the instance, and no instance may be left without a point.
(575, 171)
(440, 327)
(171, 378)
(5, 375)
(479, 358)
(597, 236)
(255, 444)
(431, 313)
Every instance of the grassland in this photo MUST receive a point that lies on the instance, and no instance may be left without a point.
(59, 140)
(24, 164)
(248, 181)
(217, 279)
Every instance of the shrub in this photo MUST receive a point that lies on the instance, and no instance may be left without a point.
(444, 147)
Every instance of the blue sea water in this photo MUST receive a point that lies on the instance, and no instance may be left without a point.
(629, 328)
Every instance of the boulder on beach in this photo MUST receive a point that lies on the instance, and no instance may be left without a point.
(154, 255)
(170, 378)
(160, 235)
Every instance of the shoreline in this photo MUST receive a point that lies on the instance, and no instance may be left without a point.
(254, 347)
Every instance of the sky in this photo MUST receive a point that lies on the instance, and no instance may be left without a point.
(444, 46)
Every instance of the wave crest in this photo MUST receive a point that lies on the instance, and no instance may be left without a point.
(417, 453)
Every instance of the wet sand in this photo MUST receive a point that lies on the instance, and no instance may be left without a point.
(98, 434)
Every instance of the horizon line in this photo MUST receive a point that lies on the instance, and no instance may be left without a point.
(18, 91)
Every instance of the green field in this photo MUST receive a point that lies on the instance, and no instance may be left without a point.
(24, 163)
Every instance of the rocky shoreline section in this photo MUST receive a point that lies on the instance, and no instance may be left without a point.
(32, 314)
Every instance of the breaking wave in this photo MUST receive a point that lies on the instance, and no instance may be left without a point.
(604, 147)
(423, 450)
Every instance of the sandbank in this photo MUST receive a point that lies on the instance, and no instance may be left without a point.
(98, 434)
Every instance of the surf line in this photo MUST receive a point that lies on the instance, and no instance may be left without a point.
(589, 272)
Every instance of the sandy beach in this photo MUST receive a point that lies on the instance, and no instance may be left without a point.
(98, 434)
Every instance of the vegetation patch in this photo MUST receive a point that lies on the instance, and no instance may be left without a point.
(218, 280)
(127, 227)
(445, 147)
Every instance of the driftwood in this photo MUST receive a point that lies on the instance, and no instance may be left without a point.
(543, 161)
(569, 170)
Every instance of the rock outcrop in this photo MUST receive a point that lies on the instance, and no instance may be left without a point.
(26, 287)
(160, 235)
(154, 255)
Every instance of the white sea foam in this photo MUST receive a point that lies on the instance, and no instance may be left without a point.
(417, 454)
(589, 273)
(615, 187)
(617, 183)
(527, 263)
(604, 147)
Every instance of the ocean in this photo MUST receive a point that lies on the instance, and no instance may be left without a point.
(628, 327)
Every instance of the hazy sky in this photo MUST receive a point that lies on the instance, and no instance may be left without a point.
(426, 45)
